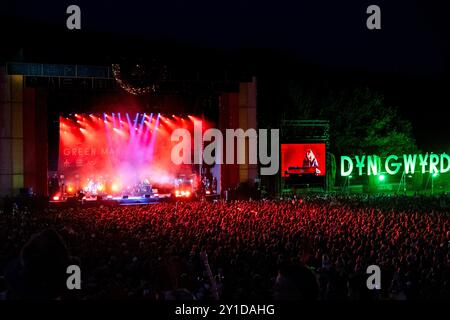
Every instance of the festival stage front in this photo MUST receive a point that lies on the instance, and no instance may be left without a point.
(124, 158)
(70, 113)
(110, 201)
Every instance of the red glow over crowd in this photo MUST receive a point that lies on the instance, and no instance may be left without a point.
(313, 248)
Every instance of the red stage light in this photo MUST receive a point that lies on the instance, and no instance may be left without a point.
(55, 198)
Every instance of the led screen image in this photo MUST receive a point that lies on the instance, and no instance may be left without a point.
(302, 159)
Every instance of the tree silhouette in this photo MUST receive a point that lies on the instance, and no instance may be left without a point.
(360, 120)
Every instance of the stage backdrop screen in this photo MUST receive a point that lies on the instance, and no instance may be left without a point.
(303, 158)
(125, 149)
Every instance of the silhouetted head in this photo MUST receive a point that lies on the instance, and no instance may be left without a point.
(41, 271)
(296, 283)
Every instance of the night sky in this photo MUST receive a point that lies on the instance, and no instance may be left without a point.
(412, 47)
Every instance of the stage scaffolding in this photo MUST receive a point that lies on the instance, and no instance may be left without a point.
(305, 131)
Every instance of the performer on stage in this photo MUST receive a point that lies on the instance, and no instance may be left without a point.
(311, 161)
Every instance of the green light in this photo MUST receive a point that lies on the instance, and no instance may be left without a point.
(435, 174)
(350, 177)
(381, 177)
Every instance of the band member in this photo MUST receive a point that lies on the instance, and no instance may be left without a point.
(311, 161)
(214, 185)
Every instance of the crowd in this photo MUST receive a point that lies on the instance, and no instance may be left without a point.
(305, 248)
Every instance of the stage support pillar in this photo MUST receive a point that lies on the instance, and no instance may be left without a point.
(11, 133)
(238, 110)
(23, 136)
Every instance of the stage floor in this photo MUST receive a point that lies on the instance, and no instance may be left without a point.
(113, 201)
(135, 200)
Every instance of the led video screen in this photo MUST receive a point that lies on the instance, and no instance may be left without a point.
(303, 159)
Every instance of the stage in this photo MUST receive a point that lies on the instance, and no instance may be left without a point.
(111, 201)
